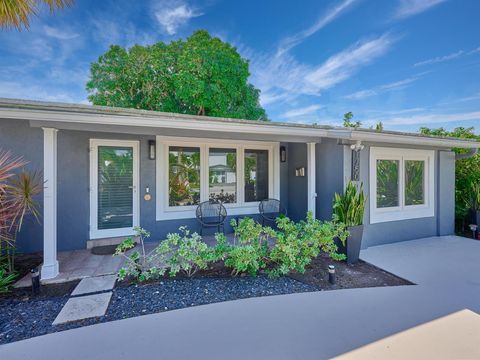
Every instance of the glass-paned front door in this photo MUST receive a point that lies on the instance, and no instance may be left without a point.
(115, 187)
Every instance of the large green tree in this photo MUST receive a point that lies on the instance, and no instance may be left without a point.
(201, 75)
(467, 171)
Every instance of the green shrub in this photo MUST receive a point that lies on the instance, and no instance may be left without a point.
(139, 264)
(298, 243)
(473, 201)
(250, 254)
(180, 252)
(349, 207)
(185, 252)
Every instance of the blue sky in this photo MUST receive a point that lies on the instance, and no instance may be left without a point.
(407, 63)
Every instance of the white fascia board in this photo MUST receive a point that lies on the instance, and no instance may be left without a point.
(174, 122)
(402, 139)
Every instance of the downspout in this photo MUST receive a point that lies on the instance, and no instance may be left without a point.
(469, 154)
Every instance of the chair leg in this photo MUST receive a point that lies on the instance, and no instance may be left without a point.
(201, 230)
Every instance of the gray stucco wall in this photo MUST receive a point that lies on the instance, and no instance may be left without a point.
(329, 177)
(73, 206)
(331, 170)
(446, 193)
(20, 139)
(297, 185)
(440, 224)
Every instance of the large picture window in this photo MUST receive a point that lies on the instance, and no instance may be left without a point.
(401, 184)
(238, 174)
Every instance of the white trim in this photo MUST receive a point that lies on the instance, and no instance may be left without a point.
(50, 262)
(95, 233)
(99, 115)
(311, 172)
(402, 211)
(165, 212)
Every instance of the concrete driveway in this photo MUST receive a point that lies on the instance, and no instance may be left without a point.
(446, 260)
(316, 325)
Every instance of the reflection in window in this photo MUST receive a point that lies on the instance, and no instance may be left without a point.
(256, 175)
(222, 175)
(387, 183)
(115, 187)
(184, 176)
(414, 182)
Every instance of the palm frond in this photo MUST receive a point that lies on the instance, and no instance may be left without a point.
(17, 13)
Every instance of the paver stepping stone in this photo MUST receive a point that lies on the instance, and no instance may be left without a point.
(95, 284)
(83, 307)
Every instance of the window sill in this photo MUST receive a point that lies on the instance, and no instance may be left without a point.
(173, 214)
(398, 215)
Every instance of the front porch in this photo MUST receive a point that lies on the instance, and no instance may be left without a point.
(143, 197)
(81, 264)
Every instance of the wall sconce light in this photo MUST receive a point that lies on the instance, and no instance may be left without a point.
(283, 154)
(151, 149)
(300, 171)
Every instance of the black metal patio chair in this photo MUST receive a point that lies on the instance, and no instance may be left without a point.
(211, 214)
(270, 209)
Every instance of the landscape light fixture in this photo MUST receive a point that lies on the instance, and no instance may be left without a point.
(331, 274)
(473, 228)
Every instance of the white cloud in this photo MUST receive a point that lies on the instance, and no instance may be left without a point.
(440, 59)
(301, 111)
(409, 8)
(281, 77)
(324, 20)
(344, 64)
(397, 85)
(59, 34)
(171, 15)
(421, 119)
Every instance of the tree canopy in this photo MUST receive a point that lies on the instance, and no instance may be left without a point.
(467, 171)
(201, 75)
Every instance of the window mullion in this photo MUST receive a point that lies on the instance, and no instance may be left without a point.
(240, 175)
(204, 149)
(402, 183)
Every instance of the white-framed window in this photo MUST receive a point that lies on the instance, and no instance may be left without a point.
(401, 184)
(192, 170)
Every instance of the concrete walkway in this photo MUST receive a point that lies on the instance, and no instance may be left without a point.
(316, 325)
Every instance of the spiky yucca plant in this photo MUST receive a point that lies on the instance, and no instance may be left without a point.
(17, 199)
(349, 207)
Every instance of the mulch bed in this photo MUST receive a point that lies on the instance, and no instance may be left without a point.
(21, 319)
(24, 316)
(359, 275)
(26, 262)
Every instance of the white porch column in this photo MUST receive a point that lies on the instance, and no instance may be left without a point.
(311, 182)
(50, 263)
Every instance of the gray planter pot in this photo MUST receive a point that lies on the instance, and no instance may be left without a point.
(352, 244)
(475, 217)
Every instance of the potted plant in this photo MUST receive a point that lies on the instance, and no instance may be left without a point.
(474, 203)
(348, 209)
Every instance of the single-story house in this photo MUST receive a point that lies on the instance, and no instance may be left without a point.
(107, 170)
